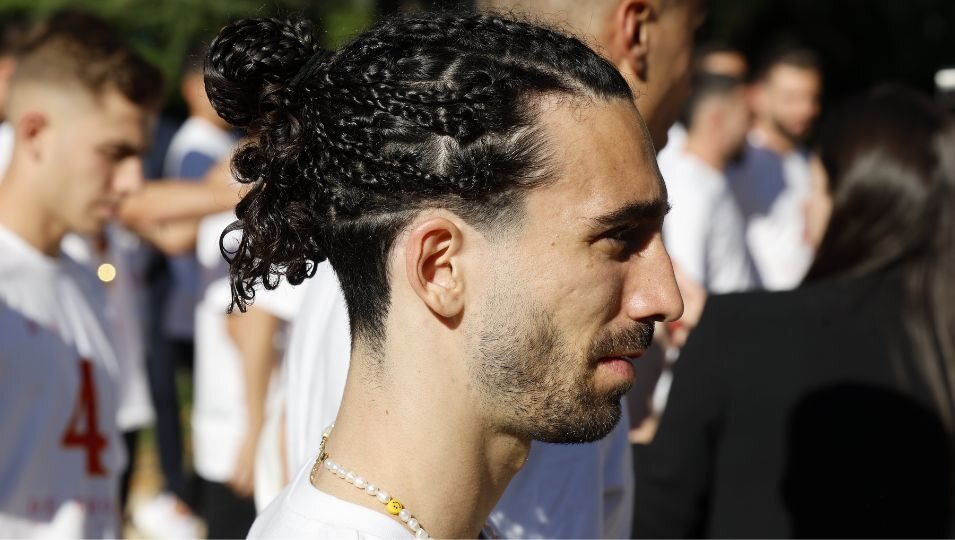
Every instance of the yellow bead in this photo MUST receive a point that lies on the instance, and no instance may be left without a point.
(394, 507)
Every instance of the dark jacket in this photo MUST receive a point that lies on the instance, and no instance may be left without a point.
(787, 418)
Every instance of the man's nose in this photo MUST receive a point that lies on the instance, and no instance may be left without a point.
(129, 176)
(652, 292)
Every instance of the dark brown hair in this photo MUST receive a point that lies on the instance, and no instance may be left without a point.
(73, 46)
(345, 147)
(890, 159)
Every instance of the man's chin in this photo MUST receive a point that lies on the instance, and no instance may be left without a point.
(584, 430)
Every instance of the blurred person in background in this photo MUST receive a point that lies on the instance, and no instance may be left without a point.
(80, 104)
(236, 355)
(827, 411)
(771, 183)
(203, 140)
(704, 230)
(13, 33)
(714, 58)
(650, 42)
(717, 58)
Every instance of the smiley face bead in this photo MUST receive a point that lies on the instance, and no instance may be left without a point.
(394, 507)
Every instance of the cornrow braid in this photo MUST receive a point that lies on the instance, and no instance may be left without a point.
(344, 147)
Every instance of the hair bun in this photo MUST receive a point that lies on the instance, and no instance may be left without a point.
(253, 58)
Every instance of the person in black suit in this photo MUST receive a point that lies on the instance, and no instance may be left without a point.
(828, 410)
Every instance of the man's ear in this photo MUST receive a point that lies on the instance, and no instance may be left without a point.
(431, 266)
(630, 37)
(31, 130)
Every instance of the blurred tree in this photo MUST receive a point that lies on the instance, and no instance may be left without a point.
(164, 30)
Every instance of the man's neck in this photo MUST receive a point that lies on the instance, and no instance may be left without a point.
(703, 149)
(773, 139)
(419, 437)
(26, 219)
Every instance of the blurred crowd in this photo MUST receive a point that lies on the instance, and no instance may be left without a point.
(758, 414)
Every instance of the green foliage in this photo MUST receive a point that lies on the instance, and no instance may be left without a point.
(163, 30)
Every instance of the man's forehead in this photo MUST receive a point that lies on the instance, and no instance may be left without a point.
(602, 156)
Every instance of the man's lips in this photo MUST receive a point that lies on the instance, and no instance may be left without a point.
(622, 365)
(628, 356)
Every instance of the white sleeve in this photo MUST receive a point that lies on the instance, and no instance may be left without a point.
(729, 265)
(684, 231)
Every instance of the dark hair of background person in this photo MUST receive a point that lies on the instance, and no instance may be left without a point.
(786, 53)
(890, 159)
(702, 87)
(345, 147)
(13, 35)
(75, 46)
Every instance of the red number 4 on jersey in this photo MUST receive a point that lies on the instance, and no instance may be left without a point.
(83, 429)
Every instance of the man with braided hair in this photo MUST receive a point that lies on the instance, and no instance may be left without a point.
(439, 163)
(651, 43)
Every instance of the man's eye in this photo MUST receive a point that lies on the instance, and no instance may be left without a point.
(630, 240)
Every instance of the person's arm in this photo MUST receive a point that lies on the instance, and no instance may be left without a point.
(175, 199)
(673, 473)
(173, 237)
(253, 333)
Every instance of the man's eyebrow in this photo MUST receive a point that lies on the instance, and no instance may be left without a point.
(123, 148)
(634, 212)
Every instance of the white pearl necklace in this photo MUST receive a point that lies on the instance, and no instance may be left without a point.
(393, 506)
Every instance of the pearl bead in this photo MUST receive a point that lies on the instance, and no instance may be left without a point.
(350, 478)
(341, 472)
(420, 534)
(404, 515)
(383, 497)
(371, 489)
(360, 483)
(413, 524)
(329, 464)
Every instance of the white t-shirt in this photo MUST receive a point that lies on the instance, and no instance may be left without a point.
(704, 230)
(6, 146)
(61, 452)
(595, 480)
(772, 191)
(302, 511)
(196, 147)
(219, 415)
(316, 365)
(125, 298)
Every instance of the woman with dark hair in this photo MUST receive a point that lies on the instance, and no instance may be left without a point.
(828, 410)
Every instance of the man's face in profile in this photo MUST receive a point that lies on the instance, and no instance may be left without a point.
(575, 290)
(96, 151)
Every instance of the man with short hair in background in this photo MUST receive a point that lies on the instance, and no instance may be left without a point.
(771, 183)
(80, 105)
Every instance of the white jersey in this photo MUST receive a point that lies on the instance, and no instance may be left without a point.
(704, 231)
(772, 192)
(219, 417)
(61, 454)
(596, 479)
(124, 311)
